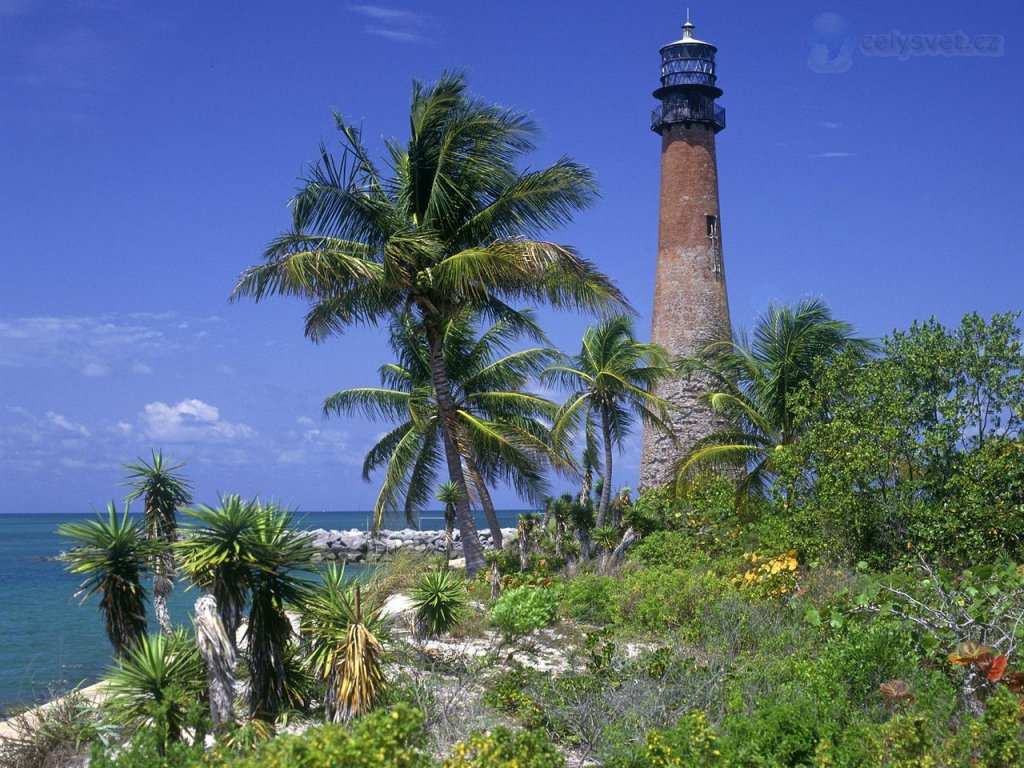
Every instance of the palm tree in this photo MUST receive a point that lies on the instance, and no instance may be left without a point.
(217, 554)
(612, 381)
(218, 652)
(113, 553)
(503, 432)
(755, 382)
(448, 493)
(452, 232)
(163, 491)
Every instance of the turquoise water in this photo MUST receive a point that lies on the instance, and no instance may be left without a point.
(48, 642)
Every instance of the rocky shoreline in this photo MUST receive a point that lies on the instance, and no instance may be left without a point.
(355, 546)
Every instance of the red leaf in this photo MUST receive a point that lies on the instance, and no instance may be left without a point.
(996, 669)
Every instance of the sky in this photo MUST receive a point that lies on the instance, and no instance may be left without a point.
(148, 152)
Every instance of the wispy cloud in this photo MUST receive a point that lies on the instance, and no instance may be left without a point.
(62, 422)
(395, 24)
(830, 124)
(832, 154)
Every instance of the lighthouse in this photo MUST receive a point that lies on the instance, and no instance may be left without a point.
(691, 307)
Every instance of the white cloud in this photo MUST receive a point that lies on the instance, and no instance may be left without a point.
(225, 370)
(190, 421)
(830, 124)
(95, 370)
(142, 369)
(304, 421)
(61, 422)
(833, 154)
(394, 24)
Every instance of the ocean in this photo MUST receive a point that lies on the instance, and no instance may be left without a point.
(48, 642)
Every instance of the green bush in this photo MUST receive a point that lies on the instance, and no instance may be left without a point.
(668, 549)
(144, 751)
(522, 610)
(655, 599)
(502, 748)
(591, 598)
(387, 738)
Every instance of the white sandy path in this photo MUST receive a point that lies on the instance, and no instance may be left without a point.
(93, 693)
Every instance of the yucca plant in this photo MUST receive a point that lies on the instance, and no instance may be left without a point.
(440, 601)
(157, 684)
(113, 553)
(163, 490)
(524, 529)
(328, 613)
(360, 679)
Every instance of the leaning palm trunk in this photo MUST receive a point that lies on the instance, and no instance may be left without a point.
(584, 536)
(485, 502)
(606, 486)
(495, 581)
(218, 652)
(628, 539)
(471, 548)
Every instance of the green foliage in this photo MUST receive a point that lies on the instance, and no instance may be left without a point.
(703, 511)
(144, 750)
(920, 451)
(440, 601)
(656, 599)
(502, 748)
(157, 684)
(590, 598)
(521, 610)
(387, 738)
(690, 742)
(675, 550)
(163, 490)
(113, 553)
(998, 739)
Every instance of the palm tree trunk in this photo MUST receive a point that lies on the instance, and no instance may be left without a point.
(606, 486)
(524, 550)
(218, 652)
(162, 588)
(471, 548)
(584, 536)
(485, 502)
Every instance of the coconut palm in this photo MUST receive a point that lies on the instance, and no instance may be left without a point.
(452, 231)
(755, 381)
(502, 429)
(113, 553)
(163, 490)
(612, 380)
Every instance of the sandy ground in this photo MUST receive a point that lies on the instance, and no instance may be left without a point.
(94, 693)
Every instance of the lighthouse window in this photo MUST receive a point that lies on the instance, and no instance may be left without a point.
(712, 224)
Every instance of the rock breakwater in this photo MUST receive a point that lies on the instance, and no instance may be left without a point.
(355, 546)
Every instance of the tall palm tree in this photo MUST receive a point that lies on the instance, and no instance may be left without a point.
(113, 553)
(612, 379)
(755, 382)
(163, 490)
(452, 231)
(502, 430)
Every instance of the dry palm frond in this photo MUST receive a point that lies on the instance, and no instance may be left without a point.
(359, 681)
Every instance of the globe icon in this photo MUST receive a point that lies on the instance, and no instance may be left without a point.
(830, 44)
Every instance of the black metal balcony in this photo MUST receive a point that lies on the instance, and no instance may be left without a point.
(689, 111)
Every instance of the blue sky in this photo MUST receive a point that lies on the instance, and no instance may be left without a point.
(148, 151)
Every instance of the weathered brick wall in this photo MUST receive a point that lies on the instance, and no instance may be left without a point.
(691, 307)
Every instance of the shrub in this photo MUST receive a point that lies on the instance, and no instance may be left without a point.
(520, 611)
(391, 738)
(502, 748)
(53, 736)
(591, 598)
(145, 751)
(667, 549)
(440, 601)
(658, 598)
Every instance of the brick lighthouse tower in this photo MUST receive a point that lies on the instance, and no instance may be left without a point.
(691, 307)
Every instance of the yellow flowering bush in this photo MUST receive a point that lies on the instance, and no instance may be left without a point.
(769, 576)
